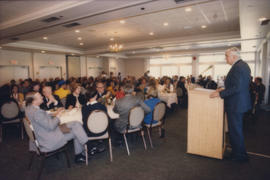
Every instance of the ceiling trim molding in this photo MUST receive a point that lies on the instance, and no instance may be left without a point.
(170, 42)
(29, 45)
(41, 13)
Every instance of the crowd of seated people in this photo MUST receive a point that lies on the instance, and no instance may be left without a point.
(89, 94)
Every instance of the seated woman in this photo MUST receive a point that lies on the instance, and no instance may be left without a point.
(15, 94)
(91, 105)
(50, 101)
(111, 88)
(75, 99)
(151, 102)
(120, 92)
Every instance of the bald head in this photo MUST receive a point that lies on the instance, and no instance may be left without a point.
(47, 91)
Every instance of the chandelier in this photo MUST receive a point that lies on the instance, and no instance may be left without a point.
(115, 47)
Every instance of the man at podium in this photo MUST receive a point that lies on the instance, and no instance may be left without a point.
(236, 101)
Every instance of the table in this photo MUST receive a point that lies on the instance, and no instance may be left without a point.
(169, 98)
(72, 115)
(111, 113)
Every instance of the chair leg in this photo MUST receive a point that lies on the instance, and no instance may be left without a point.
(67, 158)
(149, 137)
(1, 133)
(125, 138)
(41, 167)
(142, 133)
(110, 149)
(86, 154)
(31, 160)
(22, 132)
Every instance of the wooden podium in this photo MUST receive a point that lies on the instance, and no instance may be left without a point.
(205, 124)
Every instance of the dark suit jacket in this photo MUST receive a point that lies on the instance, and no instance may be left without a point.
(86, 110)
(236, 94)
(100, 95)
(71, 100)
(51, 106)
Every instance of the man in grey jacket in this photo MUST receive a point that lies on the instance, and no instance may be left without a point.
(124, 105)
(49, 134)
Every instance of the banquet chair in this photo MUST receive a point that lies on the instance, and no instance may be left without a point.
(135, 119)
(98, 123)
(10, 114)
(159, 116)
(41, 155)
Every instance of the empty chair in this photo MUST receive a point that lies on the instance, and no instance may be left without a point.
(41, 155)
(158, 118)
(10, 114)
(135, 118)
(97, 124)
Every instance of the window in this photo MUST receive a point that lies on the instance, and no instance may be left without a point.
(221, 70)
(206, 70)
(154, 71)
(171, 60)
(169, 70)
(185, 70)
(212, 58)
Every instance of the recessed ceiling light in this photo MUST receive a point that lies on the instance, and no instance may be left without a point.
(203, 26)
(0, 47)
(43, 52)
(188, 9)
(122, 21)
(81, 44)
(72, 54)
(133, 52)
(165, 24)
(97, 56)
(77, 31)
(151, 33)
(79, 38)
(45, 38)
(262, 19)
(112, 39)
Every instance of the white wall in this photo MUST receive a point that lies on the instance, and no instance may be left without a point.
(33, 61)
(49, 60)
(135, 67)
(18, 57)
(94, 66)
(117, 65)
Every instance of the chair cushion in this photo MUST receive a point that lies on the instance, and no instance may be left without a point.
(153, 125)
(136, 116)
(105, 136)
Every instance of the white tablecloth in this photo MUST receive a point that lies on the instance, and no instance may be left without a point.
(71, 115)
(111, 113)
(169, 98)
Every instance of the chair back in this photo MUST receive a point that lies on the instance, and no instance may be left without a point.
(136, 116)
(30, 132)
(159, 111)
(10, 110)
(97, 122)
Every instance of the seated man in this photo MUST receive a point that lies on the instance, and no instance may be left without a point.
(90, 106)
(150, 102)
(124, 105)
(50, 101)
(49, 134)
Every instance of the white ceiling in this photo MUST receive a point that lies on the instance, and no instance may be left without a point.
(99, 21)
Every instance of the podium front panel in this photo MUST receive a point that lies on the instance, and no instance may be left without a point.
(205, 124)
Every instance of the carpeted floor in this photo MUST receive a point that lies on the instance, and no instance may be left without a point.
(167, 161)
